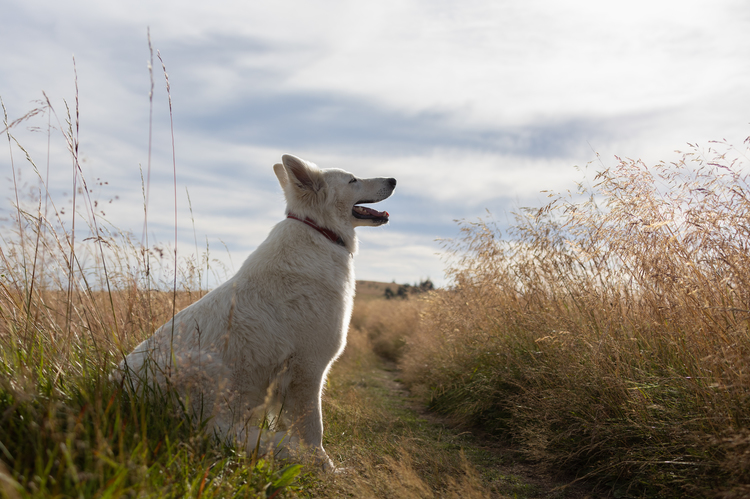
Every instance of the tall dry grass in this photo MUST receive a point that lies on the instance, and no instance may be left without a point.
(386, 324)
(608, 335)
(76, 292)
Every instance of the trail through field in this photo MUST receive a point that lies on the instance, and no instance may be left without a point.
(392, 447)
(500, 467)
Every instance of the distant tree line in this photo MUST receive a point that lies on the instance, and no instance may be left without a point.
(405, 290)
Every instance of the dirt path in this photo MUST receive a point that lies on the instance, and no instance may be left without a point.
(391, 447)
(501, 468)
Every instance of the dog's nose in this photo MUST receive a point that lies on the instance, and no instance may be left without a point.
(392, 181)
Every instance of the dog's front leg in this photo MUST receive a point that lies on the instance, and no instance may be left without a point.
(303, 407)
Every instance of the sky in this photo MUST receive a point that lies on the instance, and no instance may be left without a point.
(472, 105)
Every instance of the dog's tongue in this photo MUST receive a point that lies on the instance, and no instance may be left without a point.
(363, 210)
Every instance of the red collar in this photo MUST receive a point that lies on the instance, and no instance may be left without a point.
(332, 236)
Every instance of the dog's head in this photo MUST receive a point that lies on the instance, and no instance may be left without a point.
(332, 197)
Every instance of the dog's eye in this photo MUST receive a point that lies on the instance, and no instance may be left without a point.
(352, 180)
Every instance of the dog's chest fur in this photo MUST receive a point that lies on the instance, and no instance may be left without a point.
(302, 296)
(295, 305)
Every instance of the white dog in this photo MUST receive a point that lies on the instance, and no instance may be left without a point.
(263, 342)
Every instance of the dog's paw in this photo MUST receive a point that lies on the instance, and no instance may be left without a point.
(342, 471)
(326, 463)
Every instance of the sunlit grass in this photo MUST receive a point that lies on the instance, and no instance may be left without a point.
(609, 336)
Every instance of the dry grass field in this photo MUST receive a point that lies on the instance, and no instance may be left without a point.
(603, 339)
(367, 290)
(607, 334)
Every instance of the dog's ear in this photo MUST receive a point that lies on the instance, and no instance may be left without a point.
(280, 172)
(302, 175)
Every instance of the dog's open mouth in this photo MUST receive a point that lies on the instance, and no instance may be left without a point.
(364, 213)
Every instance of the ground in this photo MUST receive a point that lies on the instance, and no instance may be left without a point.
(388, 445)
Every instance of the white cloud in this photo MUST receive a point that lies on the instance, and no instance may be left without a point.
(470, 105)
(387, 255)
(512, 63)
